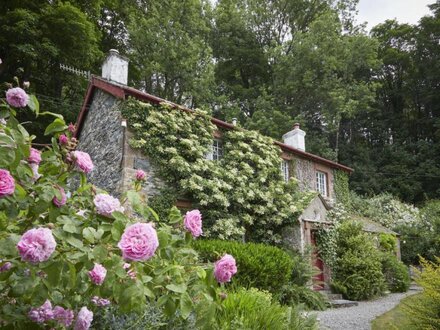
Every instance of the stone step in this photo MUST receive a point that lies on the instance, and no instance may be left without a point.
(340, 303)
(331, 296)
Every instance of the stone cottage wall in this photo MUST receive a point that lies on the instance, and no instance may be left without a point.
(106, 140)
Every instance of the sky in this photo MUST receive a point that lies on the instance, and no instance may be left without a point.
(405, 11)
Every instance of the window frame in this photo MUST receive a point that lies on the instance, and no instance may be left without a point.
(285, 170)
(216, 152)
(321, 181)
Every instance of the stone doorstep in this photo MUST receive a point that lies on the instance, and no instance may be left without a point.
(331, 296)
(339, 303)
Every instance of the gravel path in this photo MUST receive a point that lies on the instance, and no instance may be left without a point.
(359, 317)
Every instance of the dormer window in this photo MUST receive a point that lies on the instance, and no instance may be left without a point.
(321, 183)
(285, 170)
(216, 151)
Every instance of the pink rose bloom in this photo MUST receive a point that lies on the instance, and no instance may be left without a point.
(106, 205)
(5, 267)
(63, 139)
(97, 274)
(82, 161)
(100, 302)
(225, 268)
(140, 175)
(36, 245)
(84, 319)
(34, 156)
(63, 200)
(63, 316)
(7, 183)
(71, 128)
(17, 97)
(193, 222)
(42, 314)
(138, 242)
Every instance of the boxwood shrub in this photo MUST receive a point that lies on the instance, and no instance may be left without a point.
(261, 266)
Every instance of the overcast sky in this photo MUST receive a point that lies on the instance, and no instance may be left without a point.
(405, 11)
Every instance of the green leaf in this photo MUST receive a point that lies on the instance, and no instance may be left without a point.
(70, 228)
(174, 216)
(89, 234)
(7, 156)
(186, 305)
(179, 288)
(74, 242)
(117, 229)
(201, 273)
(100, 253)
(48, 113)
(72, 275)
(53, 271)
(58, 125)
(7, 141)
(33, 104)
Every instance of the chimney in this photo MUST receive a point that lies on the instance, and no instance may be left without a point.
(295, 138)
(115, 67)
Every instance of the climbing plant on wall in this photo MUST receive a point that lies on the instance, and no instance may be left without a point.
(342, 189)
(242, 195)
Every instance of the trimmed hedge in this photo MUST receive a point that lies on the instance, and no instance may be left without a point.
(396, 273)
(261, 266)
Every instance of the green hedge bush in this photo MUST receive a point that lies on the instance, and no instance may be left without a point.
(261, 266)
(396, 273)
(358, 266)
(254, 309)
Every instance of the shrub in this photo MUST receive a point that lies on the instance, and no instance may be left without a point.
(293, 294)
(259, 265)
(254, 309)
(425, 308)
(395, 272)
(358, 268)
(52, 235)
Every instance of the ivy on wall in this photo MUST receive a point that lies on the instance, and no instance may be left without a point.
(341, 187)
(242, 195)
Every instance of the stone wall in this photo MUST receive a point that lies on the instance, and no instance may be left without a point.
(102, 137)
(106, 140)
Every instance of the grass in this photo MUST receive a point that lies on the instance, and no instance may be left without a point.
(395, 319)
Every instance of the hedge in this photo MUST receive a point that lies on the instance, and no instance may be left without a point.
(261, 266)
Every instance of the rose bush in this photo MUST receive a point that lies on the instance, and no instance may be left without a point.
(65, 244)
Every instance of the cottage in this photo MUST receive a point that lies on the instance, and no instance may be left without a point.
(100, 123)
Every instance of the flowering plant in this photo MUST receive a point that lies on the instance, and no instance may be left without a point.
(67, 250)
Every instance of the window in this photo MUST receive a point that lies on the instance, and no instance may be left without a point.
(321, 183)
(217, 150)
(285, 170)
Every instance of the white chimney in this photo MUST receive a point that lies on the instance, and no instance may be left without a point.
(295, 138)
(115, 67)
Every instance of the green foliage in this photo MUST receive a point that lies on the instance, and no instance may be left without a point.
(293, 294)
(342, 190)
(395, 272)
(388, 242)
(424, 309)
(358, 266)
(254, 309)
(243, 193)
(261, 266)
(173, 279)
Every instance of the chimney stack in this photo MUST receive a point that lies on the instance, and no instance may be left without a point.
(295, 138)
(115, 67)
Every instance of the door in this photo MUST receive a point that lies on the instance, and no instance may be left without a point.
(318, 279)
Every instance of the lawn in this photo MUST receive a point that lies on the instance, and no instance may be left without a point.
(395, 318)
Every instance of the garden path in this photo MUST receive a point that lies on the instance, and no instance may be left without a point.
(359, 317)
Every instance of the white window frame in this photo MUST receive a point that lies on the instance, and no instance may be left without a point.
(216, 152)
(321, 183)
(285, 170)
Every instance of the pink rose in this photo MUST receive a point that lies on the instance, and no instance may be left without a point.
(71, 128)
(63, 139)
(34, 156)
(193, 222)
(36, 245)
(17, 97)
(106, 205)
(84, 319)
(225, 268)
(41, 314)
(63, 316)
(140, 175)
(100, 302)
(82, 161)
(5, 267)
(97, 274)
(138, 242)
(63, 200)
(7, 183)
